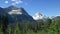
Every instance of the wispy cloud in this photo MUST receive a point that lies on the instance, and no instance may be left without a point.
(14, 2)
(18, 2)
(6, 2)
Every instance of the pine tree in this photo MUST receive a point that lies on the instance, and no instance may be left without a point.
(47, 24)
(53, 28)
(58, 25)
(17, 29)
(5, 23)
(9, 29)
(40, 25)
(1, 25)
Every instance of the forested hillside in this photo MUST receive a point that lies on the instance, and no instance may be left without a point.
(49, 27)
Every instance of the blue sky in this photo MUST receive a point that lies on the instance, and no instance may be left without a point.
(46, 7)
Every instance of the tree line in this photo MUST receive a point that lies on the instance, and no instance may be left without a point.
(49, 27)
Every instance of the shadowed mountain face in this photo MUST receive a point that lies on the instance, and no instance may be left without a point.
(56, 18)
(17, 15)
(1, 11)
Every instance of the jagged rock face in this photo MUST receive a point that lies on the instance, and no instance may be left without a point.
(20, 18)
(39, 17)
(56, 18)
(15, 10)
(18, 15)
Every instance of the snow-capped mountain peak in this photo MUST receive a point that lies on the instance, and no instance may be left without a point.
(38, 16)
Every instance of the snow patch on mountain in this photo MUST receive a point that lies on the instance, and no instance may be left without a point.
(15, 12)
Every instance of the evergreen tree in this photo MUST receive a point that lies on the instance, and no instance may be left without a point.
(5, 23)
(39, 25)
(53, 28)
(9, 29)
(47, 24)
(1, 25)
(58, 25)
(17, 29)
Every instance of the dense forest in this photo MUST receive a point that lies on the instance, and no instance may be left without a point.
(49, 27)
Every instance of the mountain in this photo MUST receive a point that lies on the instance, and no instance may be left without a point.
(17, 15)
(38, 16)
(55, 18)
(1, 11)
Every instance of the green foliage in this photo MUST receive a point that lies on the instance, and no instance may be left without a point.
(16, 29)
(40, 25)
(49, 27)
(48, 22)
(9, 29)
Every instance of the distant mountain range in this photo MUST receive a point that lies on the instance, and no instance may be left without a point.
(20, 15)
(56, 18)
(39, 17)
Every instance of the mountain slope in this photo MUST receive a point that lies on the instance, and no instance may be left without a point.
(55, 18)
(17, 15)
(1, 11)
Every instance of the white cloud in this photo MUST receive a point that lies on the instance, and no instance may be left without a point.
(13, 0)
(6, 1)
(13, 3)
(21, 1)
(17, 1)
